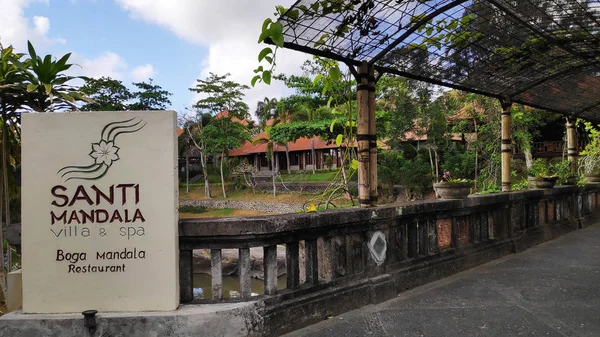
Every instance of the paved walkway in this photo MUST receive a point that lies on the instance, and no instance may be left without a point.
(549, 290)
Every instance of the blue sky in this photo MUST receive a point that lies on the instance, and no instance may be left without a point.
(173, 41)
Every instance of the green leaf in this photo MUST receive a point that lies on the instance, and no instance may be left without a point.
(429, 30)
(32, 53)
(48, 88)
(67, 97)
(335, 74)
(266, 76)
(317, 79)
(263, 53)
(294, 14)
(266, 24)
(331, 126)
(354, 164)
(338, 140)
(258, 70)
(329, 101)
(263, 35)
(254, 79)
(277, 34)
(269, 59)
(280, 10)
(31, 87)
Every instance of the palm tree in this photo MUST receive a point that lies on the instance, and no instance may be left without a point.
(266, 110)
(35, 85)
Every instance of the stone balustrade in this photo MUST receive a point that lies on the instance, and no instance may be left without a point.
(340, 260)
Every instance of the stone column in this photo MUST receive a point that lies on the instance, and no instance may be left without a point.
(506, 145)
(363, 135)
(572, 144)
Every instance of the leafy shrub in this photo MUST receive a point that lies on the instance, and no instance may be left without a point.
(414, 174)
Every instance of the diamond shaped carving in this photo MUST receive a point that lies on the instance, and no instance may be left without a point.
(378, 247)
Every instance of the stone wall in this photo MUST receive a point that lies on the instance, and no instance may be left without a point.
(270, 207)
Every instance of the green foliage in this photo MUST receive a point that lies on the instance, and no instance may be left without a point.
(329, 162)
(459, 161)
(562, 169)
(107, 94)
(221, 95)
(223, 134)
(414, 174)
(150, 97)
(542, 168)
(589, 161)
(490, 188)
(192, 209)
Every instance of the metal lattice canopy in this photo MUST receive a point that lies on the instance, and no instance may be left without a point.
(541, 53)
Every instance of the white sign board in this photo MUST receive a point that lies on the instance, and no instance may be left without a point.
(99, 212)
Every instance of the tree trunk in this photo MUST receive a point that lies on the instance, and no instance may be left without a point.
(273, 173)
(202, 162)
(528, 157)
(437, 167)
(205, 173)
(222, 176)
(345, 177)
(432, 166)
(187, 173)
(312, 153)
(287, 157)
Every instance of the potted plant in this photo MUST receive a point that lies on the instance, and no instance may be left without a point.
(453, 188)
(562, 169)
(589, 158)
(540, 175)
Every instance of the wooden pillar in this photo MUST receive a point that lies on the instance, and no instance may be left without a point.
(506, 145)
(572, 145)
(363, 136)
(372, 138)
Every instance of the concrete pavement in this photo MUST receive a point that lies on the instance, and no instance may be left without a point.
(549, 290)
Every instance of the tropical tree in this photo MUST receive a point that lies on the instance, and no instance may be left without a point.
(150, 97)
(194, 130)
(265, 110)
(222, 135)
(108, 95)
(272, 140)
(221, 95)
(26, 84)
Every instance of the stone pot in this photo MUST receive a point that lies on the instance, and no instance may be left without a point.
(453, 190)
(592, 177)
(541, 182)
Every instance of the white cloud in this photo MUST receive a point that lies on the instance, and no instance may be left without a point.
(229, 30)
(142, 73)
(107, 64)
(42, 24)
(16, 29)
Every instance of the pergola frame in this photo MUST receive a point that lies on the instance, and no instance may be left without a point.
(540, 53)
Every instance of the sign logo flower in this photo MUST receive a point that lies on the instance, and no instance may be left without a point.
(104, 153)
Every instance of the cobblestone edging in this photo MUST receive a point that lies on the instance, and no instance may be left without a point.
(271, 207)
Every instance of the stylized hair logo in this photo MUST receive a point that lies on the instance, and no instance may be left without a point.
(104, 152)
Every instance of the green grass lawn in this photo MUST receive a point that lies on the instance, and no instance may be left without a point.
(309, 177)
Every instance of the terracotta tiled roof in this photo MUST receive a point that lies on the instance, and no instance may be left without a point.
(225, 113)
(302, 144)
